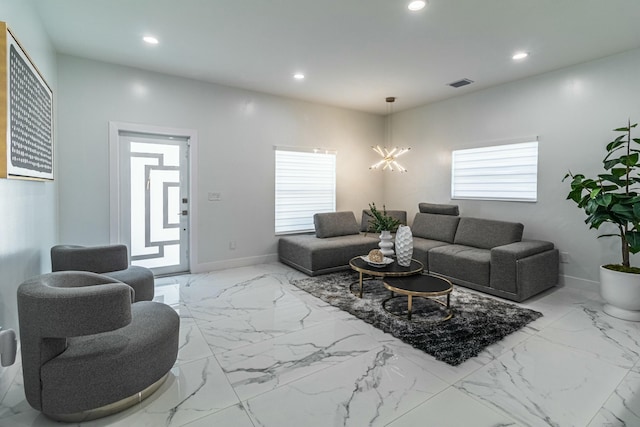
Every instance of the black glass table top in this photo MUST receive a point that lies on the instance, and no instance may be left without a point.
(393, 269)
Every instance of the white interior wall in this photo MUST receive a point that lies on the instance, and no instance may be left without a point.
(237, 130)
(27, 208)
(572, 111)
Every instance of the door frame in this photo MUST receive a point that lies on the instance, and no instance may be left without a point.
(114, 176)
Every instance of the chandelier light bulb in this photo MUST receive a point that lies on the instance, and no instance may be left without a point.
(389, 158)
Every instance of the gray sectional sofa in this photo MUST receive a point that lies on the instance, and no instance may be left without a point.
(482, 254)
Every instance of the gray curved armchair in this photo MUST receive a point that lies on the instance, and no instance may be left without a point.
(87, 351)
(110, 260)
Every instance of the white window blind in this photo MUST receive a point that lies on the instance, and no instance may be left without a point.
(305, 185)
(501, 172)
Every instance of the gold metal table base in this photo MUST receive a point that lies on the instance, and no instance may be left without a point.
(447, 305)
(358, 292)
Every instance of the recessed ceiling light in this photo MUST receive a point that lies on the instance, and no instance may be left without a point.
(520, 55)
(417, 5)
(298, 76)
(150, 39)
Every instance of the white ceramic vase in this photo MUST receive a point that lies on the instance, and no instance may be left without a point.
(386, 243)
(404, 245)
(621, 292)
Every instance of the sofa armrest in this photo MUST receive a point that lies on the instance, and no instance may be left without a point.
(505, 259)
(521, 249)
(73, 303)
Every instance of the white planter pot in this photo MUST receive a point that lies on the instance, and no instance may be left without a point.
(621, 292)
(386, 243)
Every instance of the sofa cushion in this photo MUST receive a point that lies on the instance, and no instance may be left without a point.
(435, 227)
(421, 248)
(332, 224)
(435, 208)
(366, 217)
(487, 233)
(461, 262)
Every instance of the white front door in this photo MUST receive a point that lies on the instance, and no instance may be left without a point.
(154, 200)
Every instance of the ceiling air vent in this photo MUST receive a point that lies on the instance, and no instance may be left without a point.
(460, 83)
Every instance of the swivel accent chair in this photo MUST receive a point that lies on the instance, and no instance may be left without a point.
(87, 351)
(110, 260)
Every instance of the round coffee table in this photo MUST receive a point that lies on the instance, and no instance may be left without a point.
(390, 270)
(424, 286)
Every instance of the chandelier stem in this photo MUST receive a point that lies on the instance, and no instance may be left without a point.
(389, 155)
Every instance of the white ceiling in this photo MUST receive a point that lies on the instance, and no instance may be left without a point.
(354, 52)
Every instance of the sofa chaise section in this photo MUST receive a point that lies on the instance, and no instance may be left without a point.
(315, 256)
(336, 240)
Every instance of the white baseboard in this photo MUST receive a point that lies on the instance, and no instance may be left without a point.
(578, 283)
(233, 263)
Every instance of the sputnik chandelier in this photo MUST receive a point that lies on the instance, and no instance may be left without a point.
(389, 156)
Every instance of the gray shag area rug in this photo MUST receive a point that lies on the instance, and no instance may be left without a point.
(477, 321)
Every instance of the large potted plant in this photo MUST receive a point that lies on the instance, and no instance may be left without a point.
(383, 224)
(612, 197)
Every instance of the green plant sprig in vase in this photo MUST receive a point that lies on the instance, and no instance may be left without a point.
(380, 221)
(613, 196)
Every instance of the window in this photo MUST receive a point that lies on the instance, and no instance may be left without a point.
(305, 185)
(502, 172)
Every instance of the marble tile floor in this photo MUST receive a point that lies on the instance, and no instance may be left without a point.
(256, 351)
